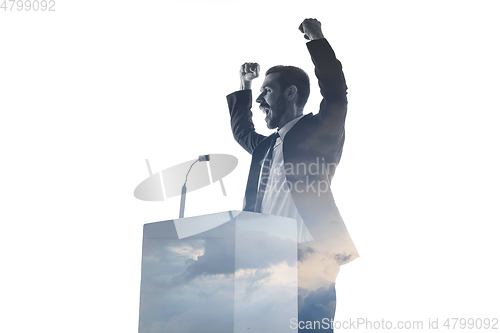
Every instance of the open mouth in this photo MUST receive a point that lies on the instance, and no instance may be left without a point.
(265, 109)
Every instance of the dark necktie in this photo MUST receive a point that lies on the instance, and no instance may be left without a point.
(265, 172)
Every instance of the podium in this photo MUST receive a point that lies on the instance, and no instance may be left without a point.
(229, 272)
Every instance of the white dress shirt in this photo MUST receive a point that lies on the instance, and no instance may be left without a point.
(277, 197)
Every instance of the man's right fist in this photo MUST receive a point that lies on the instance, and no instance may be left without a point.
(249, 71)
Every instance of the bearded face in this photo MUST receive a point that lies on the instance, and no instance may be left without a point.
(274, 112)
(272, 101)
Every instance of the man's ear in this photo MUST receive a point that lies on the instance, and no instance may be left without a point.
(290, 92)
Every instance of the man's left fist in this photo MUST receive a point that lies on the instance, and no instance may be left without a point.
(311, 28)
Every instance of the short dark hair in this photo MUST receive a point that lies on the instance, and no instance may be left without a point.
(291, 75)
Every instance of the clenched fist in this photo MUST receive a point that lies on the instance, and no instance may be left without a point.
(248, 72)
(311, 28)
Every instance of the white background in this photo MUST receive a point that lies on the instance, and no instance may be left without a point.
(90, 91)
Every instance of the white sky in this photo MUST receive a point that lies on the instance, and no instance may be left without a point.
(88, 92)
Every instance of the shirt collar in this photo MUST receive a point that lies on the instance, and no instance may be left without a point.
(288, 126)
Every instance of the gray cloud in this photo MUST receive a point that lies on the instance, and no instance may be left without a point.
(317, 304)
(342, 258)
(304, 254)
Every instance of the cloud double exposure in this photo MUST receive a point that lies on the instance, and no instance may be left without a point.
(221, 275)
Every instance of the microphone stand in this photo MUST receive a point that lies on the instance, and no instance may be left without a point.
(202, 158)
(183, 201)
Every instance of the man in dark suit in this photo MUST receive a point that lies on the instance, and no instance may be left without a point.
(292, 169)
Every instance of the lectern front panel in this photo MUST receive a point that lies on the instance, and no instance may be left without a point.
(238, 276)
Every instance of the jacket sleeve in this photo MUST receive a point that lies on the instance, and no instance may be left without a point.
(328, 70)
(240, 104)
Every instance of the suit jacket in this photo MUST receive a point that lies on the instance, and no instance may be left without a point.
(311, 151)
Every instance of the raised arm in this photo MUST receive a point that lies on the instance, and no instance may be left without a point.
(240, 104)
(328, 70)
